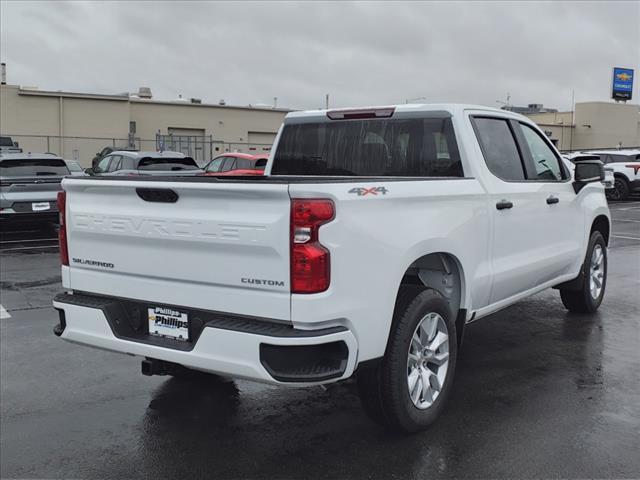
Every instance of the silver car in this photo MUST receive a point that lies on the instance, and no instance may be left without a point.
(29, 184)
(125, 162)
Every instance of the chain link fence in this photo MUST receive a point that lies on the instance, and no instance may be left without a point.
(83, 149)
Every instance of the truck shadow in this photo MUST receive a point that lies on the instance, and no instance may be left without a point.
(517, 365)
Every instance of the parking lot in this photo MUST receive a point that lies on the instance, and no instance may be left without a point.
(538, 393)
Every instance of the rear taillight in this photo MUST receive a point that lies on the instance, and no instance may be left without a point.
(62, 231)
(310, 261)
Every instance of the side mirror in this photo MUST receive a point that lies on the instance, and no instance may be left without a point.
(587, 171)
(15, 144)
(89, 171)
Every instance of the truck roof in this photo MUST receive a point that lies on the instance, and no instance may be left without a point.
(614, 151)
(25, 156)
(151, 154)
(410, 108)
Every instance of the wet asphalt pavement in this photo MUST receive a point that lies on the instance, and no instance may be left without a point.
(538, 393)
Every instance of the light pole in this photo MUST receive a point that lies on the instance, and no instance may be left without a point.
(507, 103)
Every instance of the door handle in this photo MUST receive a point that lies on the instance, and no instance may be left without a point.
(552, 200)
(504, 204)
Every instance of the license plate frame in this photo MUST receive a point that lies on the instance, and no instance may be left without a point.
(168, 322)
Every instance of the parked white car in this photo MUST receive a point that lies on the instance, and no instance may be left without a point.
(374, 237)
(625, 165)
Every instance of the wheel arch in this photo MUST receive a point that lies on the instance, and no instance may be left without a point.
(622, 176)
(601, 224)
(443, 272)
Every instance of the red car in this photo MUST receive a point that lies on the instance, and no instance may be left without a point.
(236, 164)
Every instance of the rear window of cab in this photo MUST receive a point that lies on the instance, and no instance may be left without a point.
(171, 164)
(416, 147)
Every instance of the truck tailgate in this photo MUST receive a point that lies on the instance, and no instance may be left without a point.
(216, 246)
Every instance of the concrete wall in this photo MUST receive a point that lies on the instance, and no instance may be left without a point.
(607, 124)
(224, 124)
(559, 124)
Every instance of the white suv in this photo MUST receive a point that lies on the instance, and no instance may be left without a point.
(625, 165)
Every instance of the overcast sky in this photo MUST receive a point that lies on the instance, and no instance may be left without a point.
(359, 53)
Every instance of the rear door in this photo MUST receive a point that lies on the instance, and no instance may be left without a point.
(214, 245)
(519, 249)
(537, 222)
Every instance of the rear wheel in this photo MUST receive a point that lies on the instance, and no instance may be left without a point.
(620, 190)
(594, 271)
(408, 389)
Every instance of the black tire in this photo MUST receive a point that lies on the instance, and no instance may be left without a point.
(582, 300)
(620, 190)
(383, 389)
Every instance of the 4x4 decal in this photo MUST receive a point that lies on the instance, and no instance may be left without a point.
(364, 191)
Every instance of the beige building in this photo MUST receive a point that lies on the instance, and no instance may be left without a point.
(77, 125)
(593, 125)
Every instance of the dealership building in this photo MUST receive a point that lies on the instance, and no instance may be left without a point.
(77, 125)
(592, 125)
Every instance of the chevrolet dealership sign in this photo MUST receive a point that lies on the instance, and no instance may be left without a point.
(622, 86)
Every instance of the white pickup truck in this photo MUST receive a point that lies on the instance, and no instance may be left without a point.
(375, 235)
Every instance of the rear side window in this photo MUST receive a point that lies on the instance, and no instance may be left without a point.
(169, 164)
(499, 148)
(621, 158)
(31, 167)
(244, 164)
(228, 164)
(381, 147)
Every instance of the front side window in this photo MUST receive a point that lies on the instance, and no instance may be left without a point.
(74, 167)
(420, 147)
(499, 148)
(116, 162)
(546, 164)
(103, 164)
(215, 164)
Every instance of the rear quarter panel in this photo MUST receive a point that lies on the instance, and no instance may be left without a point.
(375, 238)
